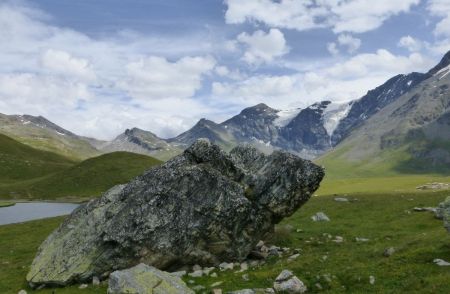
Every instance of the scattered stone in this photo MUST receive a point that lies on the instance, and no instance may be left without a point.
(443, 212)
(341, 199)
(320, 217)
(420, 209)
(144, 278)
(217, 291)
(358, 239)
(293, 257)
(324, 258)
(213, 275)
(219, 204)
(434, 186)
(259, 244)
(179, 274)
(196, 274)
(83, 286)
(208, 270)
(441, 262)
(319, 286)
(389, 251)
(299, 231)
(286, 282)
(196, 268)
(244, 266)
(195, 288)
(216, 284)
(338, 239)
(224, 266)
(22, 292)
(243, 291)
(245, 277)
(95, 281)
(372, 280)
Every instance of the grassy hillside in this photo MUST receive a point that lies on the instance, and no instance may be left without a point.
(21, 162)
(86, 179)
(387, 220)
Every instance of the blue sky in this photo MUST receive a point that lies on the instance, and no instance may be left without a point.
(98, 67)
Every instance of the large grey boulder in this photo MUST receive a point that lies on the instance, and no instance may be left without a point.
(202, 207)
(443, 212)
(144, 279)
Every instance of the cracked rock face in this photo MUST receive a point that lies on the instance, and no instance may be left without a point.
(202, 207)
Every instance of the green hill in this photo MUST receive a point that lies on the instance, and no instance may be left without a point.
(21, 162)
(86, 179)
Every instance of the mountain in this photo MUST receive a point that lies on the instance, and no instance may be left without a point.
(40, 133)
(92, 176)
(142, 142)
(21, 162)
(410, 135)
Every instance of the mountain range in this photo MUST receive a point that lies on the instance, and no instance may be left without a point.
(407, 115)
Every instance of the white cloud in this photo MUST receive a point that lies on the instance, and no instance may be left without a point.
(441, 9)
(156, 78)
(263, 47)
(410, 43)
(343, 81)
(342, 16)
(61, 62)
(347, 41)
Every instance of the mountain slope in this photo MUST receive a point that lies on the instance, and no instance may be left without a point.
(410, 135)
(21, 162)
(86, 179)
(40, 133)
(142, 142)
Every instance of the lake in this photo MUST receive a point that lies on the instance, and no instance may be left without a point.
(22, 212)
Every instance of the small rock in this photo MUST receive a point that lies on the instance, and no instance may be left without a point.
(245, 277)
(341, 199)
(196, 288)
(213, 275)
(286, 282)
(361, 239)
(320, 217)
(243, 291)
(319, 286)
(83, 286)
(216, 284)
(217, 291)
(299, 230)
(293, 257)
(372, 280)
(260, 244)
(226, 266)
(338, 239)
(244, 267)
(389, 251)
(141, 278)
(264, 249)
(208, 270)
(441, 262)
(95, 281)
(179, 274)
(22, 292)
(196, 274)
(196, 268)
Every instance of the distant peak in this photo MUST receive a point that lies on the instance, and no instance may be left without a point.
(445, 61)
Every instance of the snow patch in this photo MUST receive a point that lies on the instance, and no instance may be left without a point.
(333, 114)
(409, 83)
(285, 117)
(445, 71)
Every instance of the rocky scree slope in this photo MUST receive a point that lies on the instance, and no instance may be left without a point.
(202, 207)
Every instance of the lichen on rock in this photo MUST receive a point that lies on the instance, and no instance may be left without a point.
(202, 207)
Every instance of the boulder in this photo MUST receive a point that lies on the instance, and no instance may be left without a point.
(143, 279)
(286, 282)
(443, 212)
(202, 207)
(320, 217)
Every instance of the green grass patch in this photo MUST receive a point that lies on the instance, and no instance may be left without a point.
(386, 219)
(6, 204)
(87, 179)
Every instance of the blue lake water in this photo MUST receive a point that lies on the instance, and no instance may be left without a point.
(22, 212)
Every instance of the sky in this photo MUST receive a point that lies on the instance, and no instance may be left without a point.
(99, 67)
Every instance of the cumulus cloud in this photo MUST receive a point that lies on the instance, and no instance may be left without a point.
(441, 9)
(343, 81)
(410, 43)
(156, 78)
(263, 47)
(61, 62)
(341, 16)
(346, 41)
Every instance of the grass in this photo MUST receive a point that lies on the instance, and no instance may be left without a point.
(384, 218)
(21, 162)
(6, 204)
(87, 179)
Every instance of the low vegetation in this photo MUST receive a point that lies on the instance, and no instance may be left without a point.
(386, 219)
(6, 204)
(87, 179)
